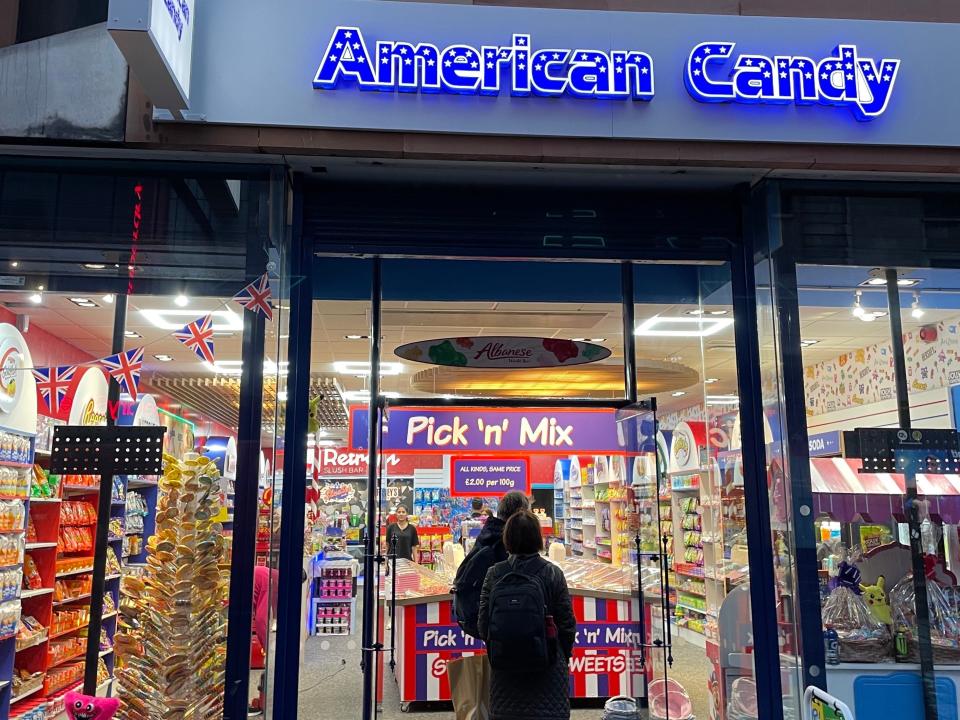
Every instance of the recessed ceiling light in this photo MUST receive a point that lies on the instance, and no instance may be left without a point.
(361, 368)
(83, 302)
(164, 358)
(36, 298)
(723, 400)
(678, 393)
(235, 367)
(350, 337)
(696, 313)
(718, 312)
(14, 263)
(94, 266)
(878, 278)
(108, 298)
(132, 334)
(181, 300)
(808, 343)
(875, 281)
(593, 340)
(659, 326)
(223, 320)
(364, 395)
(711, 381)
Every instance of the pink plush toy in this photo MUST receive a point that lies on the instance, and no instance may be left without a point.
(84, 707)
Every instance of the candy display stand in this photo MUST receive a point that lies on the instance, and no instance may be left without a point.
(333, 603)
(179, 598)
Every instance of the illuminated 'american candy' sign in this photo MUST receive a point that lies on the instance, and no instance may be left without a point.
(711, 74)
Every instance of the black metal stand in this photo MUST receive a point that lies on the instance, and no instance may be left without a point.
(393, 600)
(104, 451)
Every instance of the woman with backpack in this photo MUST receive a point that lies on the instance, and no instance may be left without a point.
(526, 619)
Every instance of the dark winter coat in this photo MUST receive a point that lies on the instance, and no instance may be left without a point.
(491, 534)
(528, 696)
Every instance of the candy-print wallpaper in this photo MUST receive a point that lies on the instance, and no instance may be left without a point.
(865, 376)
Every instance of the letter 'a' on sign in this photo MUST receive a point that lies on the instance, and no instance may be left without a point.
(461, 69)
(846, 78)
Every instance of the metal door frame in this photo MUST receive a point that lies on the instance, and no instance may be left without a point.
(766, 650)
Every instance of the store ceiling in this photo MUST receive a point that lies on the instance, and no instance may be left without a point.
(193, 389)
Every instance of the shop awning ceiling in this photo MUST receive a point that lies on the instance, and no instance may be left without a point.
(847, 495)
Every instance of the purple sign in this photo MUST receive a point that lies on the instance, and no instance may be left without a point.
(825, 444)
(488, 476)
(437, 638)
(500, 430)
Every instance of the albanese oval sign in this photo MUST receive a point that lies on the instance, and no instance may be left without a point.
(496, 351)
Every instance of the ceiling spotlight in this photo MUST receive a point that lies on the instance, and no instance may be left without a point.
(808, 343)
(858, 310)
(678, 393)
(181, 300)
(593, 340)
(94, 266)
(83, 302)
(915, 310)
(132, 334)
(14, 263)
(108, 298)
(351, 337)
(876, 281)
(36, 298)
(722, 400)
(718, 312)
(878, 278)
(711, 381)
(695, 313)
(164, 358)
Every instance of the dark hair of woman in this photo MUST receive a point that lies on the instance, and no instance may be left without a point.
(522, 535)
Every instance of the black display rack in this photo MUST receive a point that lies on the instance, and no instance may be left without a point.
(107, 450)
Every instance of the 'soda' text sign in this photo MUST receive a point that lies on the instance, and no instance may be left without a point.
(713, 72)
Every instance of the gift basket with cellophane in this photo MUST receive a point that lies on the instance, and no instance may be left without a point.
(944, 625)
(863, 638)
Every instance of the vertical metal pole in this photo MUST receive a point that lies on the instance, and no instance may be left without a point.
(629, 339)
(786, 297)
(393, 601)
(928, 679)
(247, 490)
(763, 599)
(372, 557)
(99, 584)
(287, 655)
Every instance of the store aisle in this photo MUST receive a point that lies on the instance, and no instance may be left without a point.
(331, 683)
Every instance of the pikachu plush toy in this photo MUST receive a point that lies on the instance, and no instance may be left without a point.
(876, 599)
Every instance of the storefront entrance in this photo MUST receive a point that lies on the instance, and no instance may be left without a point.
(609, 391)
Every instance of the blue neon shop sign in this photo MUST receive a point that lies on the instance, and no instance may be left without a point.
(712, 74)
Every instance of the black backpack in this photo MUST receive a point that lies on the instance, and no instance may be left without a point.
(517, 635)
(467, 586)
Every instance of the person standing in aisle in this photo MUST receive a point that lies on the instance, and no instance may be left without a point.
(404, 534)
(526, 619)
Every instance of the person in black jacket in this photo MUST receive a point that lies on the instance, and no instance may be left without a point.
(492, 531)
(542, 695)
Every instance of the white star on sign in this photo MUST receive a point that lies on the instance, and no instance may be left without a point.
(361, 58)
(783, 74)
(489, 53)
(696, 72)
(338, 45)
(849, 76)
(521, 66)
(356, 46)
(521, 41)
(348, 34)
(333, 57)
(408, 61)
(430, 63)
(447, 63)
(385, 60)
(869, 77)
(808, 76)
(583, 56)
(601, 68)
(698, 59)
(596, 58)
(766, 74)
(824, 76)
(889, 68)
(619, 69)
(886, 78)
(761, 64)
(748, 61)
(403, 51)
(706, 51)
(783, 63)
(556, 56)
(538, 66)
(848, 54)
(474, 64)
(490, 65)
(643, 71)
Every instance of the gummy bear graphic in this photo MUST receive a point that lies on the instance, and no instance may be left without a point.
(85, 707)
(465, 342)
(446, 354)
(563, 350)
(591, 351)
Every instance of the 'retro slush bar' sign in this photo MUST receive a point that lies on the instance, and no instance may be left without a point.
(496, 430)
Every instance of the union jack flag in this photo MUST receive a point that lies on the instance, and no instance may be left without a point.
(125, 368)
(53, 382)
(256, 296)
(198, 336)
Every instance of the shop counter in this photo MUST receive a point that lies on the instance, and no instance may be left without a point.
(606, 657)
(875, 690)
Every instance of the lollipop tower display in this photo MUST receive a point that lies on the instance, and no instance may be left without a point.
(172, 641)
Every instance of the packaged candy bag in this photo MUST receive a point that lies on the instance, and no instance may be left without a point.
(863, 638)
(944, 624)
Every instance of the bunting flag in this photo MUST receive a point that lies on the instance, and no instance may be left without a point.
(125, 368)
(256, 296)
(53, 382)
(198, 336)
